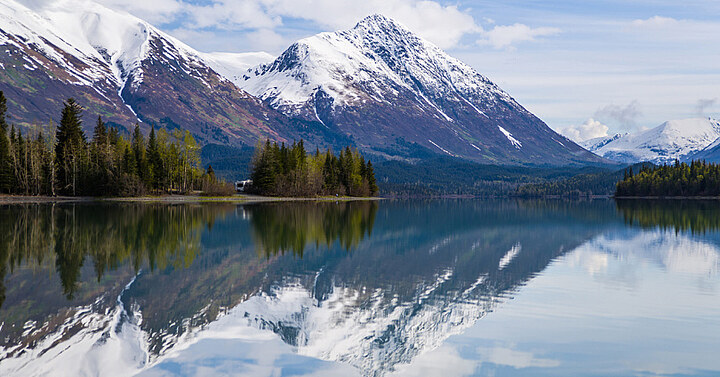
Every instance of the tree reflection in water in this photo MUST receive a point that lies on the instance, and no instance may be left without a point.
(292, 227)
(156, 236)
(694, 216)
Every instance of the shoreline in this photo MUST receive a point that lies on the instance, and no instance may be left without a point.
(173, 199)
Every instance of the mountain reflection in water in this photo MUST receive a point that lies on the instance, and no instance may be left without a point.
(371, 285)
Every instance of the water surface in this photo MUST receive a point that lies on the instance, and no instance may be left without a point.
(391, 288)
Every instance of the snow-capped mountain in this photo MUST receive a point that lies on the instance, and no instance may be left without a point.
(675, 139)
(599, 142)
(121, 67)
(377, 86)
(392, 91)
(711, 153)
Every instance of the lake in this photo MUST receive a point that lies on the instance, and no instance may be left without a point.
(367, 288)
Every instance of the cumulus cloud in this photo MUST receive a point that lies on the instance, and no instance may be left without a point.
(505, 36)
(442, 25)
(656, 21)
(626, 115)
(704, 104)
(588, 130)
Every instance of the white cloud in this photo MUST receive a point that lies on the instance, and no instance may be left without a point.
(676, 30)
(655, 22)
(505, 36)
(703, 104)
(588, 130)
(442, 25)
(444, 361)
(515, 359)
(626, 116)
(232, 15)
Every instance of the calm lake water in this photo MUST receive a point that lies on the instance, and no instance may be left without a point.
(391, 288)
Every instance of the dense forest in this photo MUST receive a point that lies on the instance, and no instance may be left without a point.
(63, 161)
(600, 183)
(279, 170)
(680, 179)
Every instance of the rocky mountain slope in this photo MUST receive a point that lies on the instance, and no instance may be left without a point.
(392, 91)
(126, 70)
(675, 139)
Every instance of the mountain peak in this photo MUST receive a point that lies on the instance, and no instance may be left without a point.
(398, 94)
(380, 22)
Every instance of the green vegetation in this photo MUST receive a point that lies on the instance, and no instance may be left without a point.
(142, 236)
(278, 170)
(694, 216)
(679, 180)
(441, 176)
(279, 228)
(65, 162)
(601, 183)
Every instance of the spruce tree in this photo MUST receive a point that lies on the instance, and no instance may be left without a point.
(370, 175)
(100, 157)
(138, 145)
(5, 168)
(70, 148)
(155, 163)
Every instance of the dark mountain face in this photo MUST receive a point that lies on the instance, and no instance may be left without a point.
(387, 87)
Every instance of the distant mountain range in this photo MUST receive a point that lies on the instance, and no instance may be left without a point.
(684, 139)
(376, 86)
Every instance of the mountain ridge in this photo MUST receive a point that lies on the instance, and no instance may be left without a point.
(387, 87)
(678, 139)
(381, 88)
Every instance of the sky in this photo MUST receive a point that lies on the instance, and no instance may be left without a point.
(587, 68)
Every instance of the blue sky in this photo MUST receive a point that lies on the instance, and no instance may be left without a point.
(585, 67)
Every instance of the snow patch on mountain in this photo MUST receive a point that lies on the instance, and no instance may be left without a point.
(510, 137)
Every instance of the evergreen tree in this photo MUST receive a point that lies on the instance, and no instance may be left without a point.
(138, 146)
(70, 148)
(370, 175)
(100, 158)
(5, 167)
(155, 161)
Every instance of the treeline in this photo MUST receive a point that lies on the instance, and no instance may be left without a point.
(279, 170)
(680, 179)
(581, 185)
(65, 162)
